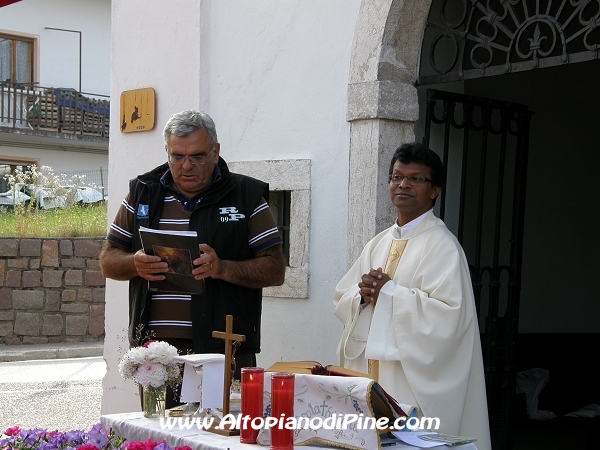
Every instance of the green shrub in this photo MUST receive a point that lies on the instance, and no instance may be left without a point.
(68, 217)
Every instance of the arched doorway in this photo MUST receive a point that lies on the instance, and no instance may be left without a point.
(555, 76)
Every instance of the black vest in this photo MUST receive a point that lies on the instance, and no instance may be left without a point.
(221, 220)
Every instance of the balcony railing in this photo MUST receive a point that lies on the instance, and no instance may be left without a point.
(53, 109)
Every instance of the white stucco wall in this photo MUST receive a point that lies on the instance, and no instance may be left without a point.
(279, 74)
(57, 159)
(274, 77)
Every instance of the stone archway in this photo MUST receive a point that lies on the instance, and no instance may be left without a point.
(382, 107)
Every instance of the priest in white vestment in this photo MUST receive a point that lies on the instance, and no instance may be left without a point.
(408, 309)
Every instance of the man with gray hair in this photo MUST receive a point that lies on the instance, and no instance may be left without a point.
(240, 246)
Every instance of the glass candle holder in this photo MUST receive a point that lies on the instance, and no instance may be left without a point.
(282, 406)
(251, 402)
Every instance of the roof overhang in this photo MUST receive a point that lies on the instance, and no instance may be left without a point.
(7, 2)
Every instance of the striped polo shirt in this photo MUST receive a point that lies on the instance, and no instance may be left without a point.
(171, 314)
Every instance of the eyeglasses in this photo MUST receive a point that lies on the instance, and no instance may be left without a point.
(194, 159)
(398, 179)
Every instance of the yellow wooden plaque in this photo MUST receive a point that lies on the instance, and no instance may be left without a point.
(137, 110)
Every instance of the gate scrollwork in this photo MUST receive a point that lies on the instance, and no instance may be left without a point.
(471, 39)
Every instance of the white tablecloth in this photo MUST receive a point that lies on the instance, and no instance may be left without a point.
(135, 427)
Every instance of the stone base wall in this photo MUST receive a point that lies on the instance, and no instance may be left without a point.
(51, 290)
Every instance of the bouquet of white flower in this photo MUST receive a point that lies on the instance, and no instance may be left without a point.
(152, 364)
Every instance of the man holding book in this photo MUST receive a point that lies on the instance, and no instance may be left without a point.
(240, 248)
(408, 309)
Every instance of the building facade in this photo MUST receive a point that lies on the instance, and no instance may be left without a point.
(55, 87)
(313, 97)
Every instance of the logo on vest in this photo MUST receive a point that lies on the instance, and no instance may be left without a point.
(230, 214)
(142, 212)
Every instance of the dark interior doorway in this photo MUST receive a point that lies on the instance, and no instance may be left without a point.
(559, 280)
(484, 145)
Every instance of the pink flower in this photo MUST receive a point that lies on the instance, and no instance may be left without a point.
(12, 431)
(148, 342)
(185, 447)
(148, 445)
(87, 447)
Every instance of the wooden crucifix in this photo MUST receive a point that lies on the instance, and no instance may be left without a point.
(229, 338)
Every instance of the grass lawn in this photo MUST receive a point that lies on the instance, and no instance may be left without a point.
(76, 221)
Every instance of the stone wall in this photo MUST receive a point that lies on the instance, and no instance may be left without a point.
(51, 290)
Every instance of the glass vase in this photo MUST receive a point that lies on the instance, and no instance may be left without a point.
(154, 401)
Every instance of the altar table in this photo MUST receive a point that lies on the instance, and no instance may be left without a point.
(135, 427)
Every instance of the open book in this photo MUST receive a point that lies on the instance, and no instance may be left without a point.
(384, 405)
(178, 249)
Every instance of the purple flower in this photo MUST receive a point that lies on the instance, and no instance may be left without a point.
(28, 437)
(74, 436)
(97, 429)
(97, 438)
(162, 446)
(51, 445)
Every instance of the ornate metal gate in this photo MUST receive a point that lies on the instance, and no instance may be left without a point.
(484, 144)
(471, 39)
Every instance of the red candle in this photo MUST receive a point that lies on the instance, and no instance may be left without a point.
(251, 404)
(282, 406)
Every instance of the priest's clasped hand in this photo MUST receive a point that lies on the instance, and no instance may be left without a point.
(371, 283)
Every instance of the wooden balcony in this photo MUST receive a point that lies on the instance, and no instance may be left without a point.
(57, 110)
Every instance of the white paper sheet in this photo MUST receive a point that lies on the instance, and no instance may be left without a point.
(412, 438)
(203, 376)
(191, 386)
(197, 359)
